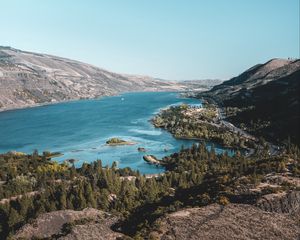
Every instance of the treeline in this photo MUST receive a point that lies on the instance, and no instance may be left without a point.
(193, 177)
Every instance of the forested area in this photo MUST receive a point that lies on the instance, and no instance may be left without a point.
(193, 177)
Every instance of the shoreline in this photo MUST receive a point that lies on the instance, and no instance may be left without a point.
(51, 103)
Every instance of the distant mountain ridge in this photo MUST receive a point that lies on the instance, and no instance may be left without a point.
(267, 98)
(201, 84)
(28, 79)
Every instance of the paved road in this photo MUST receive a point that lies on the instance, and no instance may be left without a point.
(232, 127)
(273, 149)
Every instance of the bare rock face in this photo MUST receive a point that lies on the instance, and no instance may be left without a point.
(286, 202)
(29, 79)
(94, 230)
(234, 221)
(86, 224)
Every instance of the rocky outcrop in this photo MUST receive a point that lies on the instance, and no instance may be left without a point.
(153, 160)
(68, 224)
(285, 202)
(92, 231)
(233, 221)
(141, 149)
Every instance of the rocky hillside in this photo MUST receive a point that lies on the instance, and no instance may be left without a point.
(28, 79)
(264, 100)
(89, 223)
(274, 216)
(233, 221)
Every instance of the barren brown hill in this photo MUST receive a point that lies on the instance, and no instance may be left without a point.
(234, 221)
(28, 79)
(68, 224)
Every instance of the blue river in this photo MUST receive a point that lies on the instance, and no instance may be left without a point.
(79, 129)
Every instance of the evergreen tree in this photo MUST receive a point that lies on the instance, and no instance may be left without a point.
(89, 196)
(14, 219)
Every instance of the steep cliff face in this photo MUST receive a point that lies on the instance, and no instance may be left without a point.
(29, 78)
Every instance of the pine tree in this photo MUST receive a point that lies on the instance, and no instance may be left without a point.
(89, 195)
(81, 202)
(62, 198)
(26, 206)
(70, 201)
(4, 213)
(14, 219)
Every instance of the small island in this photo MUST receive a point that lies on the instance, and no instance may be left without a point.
(141, 149)
(118, 141)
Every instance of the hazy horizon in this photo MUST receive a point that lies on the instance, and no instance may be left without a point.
(169, 40)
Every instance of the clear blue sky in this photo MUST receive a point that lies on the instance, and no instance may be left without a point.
(171, 39)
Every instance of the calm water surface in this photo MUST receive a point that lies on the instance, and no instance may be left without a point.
(80, 129)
